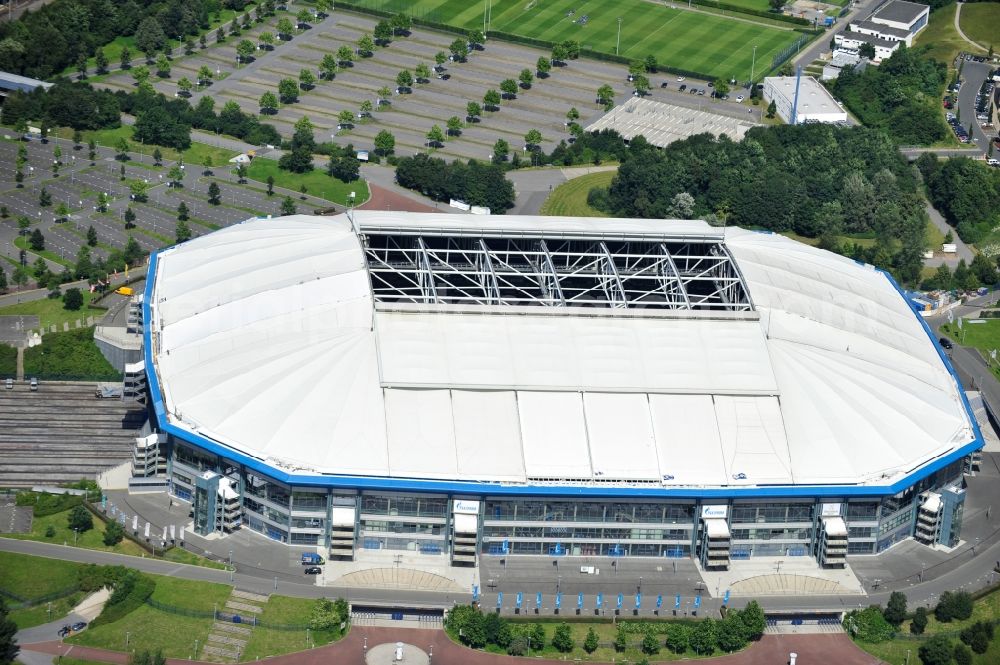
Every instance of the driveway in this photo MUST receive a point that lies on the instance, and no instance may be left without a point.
(951, 260)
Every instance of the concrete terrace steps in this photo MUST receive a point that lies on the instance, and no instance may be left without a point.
(787, 585)
(397, 578)
(235, 628)
(248, 595)
(226, 641)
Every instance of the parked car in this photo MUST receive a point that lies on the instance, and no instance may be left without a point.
(680, 78)
(65, 630)
(664, 84)
(946, 343)
(9, 384)
(78, 626)
(313, 570)
(34, 383)
(739, 99)
(683, 87)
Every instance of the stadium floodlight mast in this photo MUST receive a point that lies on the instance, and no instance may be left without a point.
(618, 41)
(753, 63)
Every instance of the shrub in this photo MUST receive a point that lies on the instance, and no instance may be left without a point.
(962, 655)
(978, 636)
(869, 625)
(650, 645)
(50, 531)
(936, 651)
(895, 609)
(70, 355)
(919, 622)
(113, 533)
(953, 605)
(45, 504)
(590, 643)
(131, 590)
(562, 639)
(80, 519)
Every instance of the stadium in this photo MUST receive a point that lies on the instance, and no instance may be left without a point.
(460, 385)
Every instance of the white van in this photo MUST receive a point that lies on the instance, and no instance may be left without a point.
(993, 162)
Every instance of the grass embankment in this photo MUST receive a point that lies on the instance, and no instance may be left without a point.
(8, 361)
(22, 243)
(941, 36)
(984, 336)
(894, 651)
(152, 629)
(317, 182)
(570, 198)
(50, 311)
(287, 611)
(92, 539)
(980, 22)
(696, 41)
(69, 356)
(28, 577)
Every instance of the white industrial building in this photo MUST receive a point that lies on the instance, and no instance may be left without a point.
(895, 23)
(815, 103)
(472, 385)
(902, 16)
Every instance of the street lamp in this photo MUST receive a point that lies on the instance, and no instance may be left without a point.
(618, 40)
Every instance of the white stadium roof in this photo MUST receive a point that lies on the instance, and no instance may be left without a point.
(598, 352)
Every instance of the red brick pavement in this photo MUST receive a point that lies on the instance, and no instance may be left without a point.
(385, 199)
(822, 649)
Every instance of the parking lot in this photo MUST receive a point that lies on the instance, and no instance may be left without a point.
(410, 116)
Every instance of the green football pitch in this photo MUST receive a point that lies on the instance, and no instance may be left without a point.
(691, 40)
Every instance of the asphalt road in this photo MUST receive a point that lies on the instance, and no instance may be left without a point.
(973, 75)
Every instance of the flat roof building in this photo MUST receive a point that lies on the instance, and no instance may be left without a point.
(662, 124)
(815, 103)
(910, 17)
(469, 385)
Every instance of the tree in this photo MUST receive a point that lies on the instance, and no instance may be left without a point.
(184, 86)
(621, 639)
(36, 241)
(345, 119)
(203, 42)
(509, 88)
(205, 75)
(562, 639)
(268, 103)
(439, 59)
(8, 641)
(113, 532)
(962, 655)
(919, 622)
(140, 75)
(182, 231)
(753, 620)
(138, 189)
(122, 148)
(776, 5)
(125, 59)
(129, 218)
(641, 84)
(266, 40)
(345, 168)
(328, 66)
(366, 46)
(183, 214)
(288, 206)
(772, 109)
(721, 86)
(472, 112)
(459, 50)
(704, 637)
(3, 280)
(895, 609)
(454, 126)
(175, 176)
(80, 518)
(605, 95)
(385, 142)
(650, 644)
(20, 277)
(936, 651)
(422, 73)
(149, 36)
(491, 100)
(162, 66)
(543, 66)
(91, 236)
(558, 54)
(91, 150)
(382, 32)
(651, 65)
(288, 91)
(867, 50)
(101, 62)
(284, 28)
(731, 632)
(245, 50)
(214, 193)
(526, 77)
(303, 18)
(435, 136)
(533, 139)
(207, 164)
(81, 66)
(401, 23)
(345, 56)
(591, 642)
(365, 110)
(270, 185)
(404, 80)
(954, 604)
(677, 637)
(307, 80)
(500, 150)
(383, 95)
(978, 636)
(44, 198)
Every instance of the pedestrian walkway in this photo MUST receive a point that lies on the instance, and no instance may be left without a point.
(397, 578)
(787, 585)
(228, 640)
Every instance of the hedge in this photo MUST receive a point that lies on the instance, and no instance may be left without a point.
(141, 588)
(715, 4)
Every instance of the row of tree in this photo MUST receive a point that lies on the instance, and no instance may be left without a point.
(965, 191)
(473, 182)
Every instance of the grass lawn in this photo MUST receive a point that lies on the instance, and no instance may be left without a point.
(91, 540)
(570, 198)
(942, 37)
(317, 182)
(981, 22)
(288, 611)
(22, 243)
(695, 41)
(50, 311)
(39, 614)
(152, 629)
(29, 577)
(181, 555)
(196, 154)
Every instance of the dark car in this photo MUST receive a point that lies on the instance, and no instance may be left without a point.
(664, 84)
(79, 625)
(946, 343)
(683, 87)
(313, 570)
(64, 631)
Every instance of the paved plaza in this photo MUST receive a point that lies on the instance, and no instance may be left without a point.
(662, 124)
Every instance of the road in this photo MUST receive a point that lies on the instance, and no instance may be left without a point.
(951, 260)
(973, 75)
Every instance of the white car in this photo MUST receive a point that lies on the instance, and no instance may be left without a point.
(739, 99)
(680, 78)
